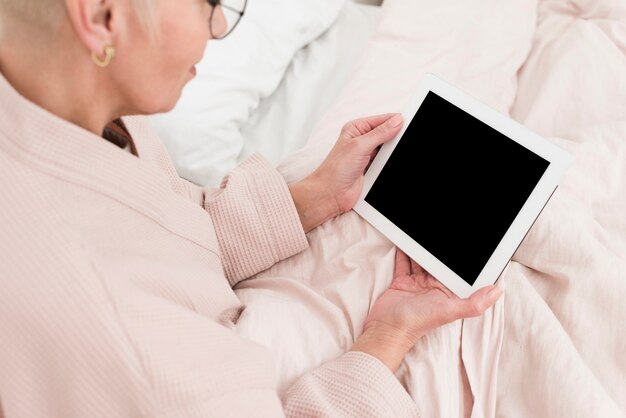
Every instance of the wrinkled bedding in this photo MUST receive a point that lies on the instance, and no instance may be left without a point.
(555, 344)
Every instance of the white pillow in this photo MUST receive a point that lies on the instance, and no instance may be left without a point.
(317, 74)
(202, 132)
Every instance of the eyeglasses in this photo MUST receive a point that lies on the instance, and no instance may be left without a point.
(233, 12)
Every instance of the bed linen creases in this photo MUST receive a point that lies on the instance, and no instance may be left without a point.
(554, 345)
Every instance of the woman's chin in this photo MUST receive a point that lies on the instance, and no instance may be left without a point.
(154, 110)
(164, 103)
(167, 105)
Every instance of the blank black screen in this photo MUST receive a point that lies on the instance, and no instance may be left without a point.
(468, 180)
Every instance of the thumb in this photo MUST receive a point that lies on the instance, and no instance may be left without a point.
(478, 302)
(382, 133)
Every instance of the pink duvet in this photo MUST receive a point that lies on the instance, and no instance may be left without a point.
(555, 345)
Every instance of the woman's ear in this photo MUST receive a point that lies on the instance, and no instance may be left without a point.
(92, 20)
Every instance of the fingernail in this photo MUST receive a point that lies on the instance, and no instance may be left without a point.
(395, 121)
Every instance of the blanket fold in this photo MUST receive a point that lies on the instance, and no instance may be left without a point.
(554, 345)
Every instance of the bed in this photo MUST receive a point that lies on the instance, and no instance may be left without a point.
(555, 345)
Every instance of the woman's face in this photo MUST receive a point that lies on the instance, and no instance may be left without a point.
(154, 61)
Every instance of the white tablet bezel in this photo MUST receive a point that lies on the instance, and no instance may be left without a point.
(558, 160)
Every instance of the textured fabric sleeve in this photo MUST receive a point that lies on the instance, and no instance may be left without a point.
(354, 385)
(255, 219)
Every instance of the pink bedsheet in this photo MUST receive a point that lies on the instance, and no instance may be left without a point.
(555, 345)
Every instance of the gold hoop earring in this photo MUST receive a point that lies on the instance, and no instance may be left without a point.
(109, 54)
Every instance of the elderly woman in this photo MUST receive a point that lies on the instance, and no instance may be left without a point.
(116, 275)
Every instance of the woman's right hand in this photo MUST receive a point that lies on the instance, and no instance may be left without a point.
(414, 304)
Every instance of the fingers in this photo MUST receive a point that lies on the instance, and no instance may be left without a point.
(478, 302)
(374, 130)
(416, 268)
(382, 133)
(406, 266)
(403, 265)
(374, 154)
(365, 125)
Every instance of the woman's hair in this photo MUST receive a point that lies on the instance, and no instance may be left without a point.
(47, 14)
(44, 13)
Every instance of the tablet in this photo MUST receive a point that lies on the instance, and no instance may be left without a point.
(460, 186)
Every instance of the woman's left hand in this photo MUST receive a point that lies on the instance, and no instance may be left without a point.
(335, 186)
(415, 304)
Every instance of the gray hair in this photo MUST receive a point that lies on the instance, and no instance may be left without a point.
(47, 14)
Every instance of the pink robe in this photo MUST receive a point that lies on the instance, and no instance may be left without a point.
(116, 283)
